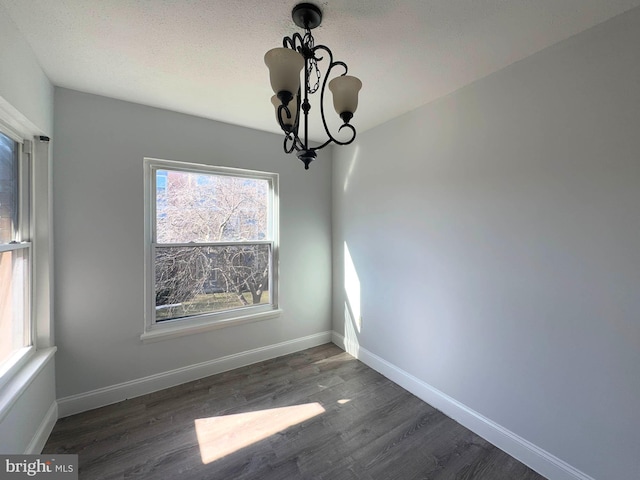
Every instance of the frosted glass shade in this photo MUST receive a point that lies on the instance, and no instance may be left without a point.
(288, 122)
(284, 65)
(345, 93)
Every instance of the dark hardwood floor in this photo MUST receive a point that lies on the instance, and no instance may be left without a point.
(316, 414)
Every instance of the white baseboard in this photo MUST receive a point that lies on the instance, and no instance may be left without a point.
(134, 388)
(531, 455)
(42, 434)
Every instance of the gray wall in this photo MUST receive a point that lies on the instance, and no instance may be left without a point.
(98, 212)
(23, 84)
(496, 238)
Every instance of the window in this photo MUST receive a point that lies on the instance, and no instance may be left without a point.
(15, 251)
(212, 246)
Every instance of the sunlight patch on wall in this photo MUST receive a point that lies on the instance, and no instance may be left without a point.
(352, 288)
(351, 343)
(352, 166)
(221, 436)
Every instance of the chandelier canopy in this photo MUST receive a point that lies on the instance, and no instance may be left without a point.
(291, 99)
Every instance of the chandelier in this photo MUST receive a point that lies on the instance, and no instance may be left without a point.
(291, 99)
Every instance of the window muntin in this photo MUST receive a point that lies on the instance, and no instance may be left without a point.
(14, 250)
(213, 244)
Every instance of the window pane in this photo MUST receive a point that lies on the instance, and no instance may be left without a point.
(197, 280)
(203, 208)
(8, 188)
(13, 285)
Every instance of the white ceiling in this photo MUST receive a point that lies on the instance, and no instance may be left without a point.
(205, 57)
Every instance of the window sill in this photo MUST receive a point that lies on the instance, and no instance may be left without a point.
(161, 332)
(32, 363)
(14, 364)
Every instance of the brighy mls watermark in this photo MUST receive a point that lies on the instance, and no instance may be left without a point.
(50, 467)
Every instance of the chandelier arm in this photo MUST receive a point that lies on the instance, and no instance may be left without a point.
(353, 132)
(291, 140)
(294, 42)
(291, 134)
(296, 124)
(289, 137)
(294, 142)
(305, 105)
(332, 65)
(279, 116)
(296, 127)
(331, 139)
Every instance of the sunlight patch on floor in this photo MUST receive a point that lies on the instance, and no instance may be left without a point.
(221, 436)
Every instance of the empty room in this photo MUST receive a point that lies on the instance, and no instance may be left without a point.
(337, 240)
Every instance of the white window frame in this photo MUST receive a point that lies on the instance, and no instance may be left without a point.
(19, 357)
(155, 331)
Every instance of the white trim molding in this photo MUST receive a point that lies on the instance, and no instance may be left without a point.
(41, 436)
(531, 455)
(155, 330)
(115, 393)
(171, 330)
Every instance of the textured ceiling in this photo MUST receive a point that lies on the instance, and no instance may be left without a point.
(205, 57)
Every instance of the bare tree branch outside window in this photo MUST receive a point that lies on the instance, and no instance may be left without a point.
(213, 249)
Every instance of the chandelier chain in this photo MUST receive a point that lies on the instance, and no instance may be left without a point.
(309, 43)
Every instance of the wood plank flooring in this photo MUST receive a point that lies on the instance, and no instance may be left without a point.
(318, 414)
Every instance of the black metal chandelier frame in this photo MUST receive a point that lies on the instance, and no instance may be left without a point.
(308, 17)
